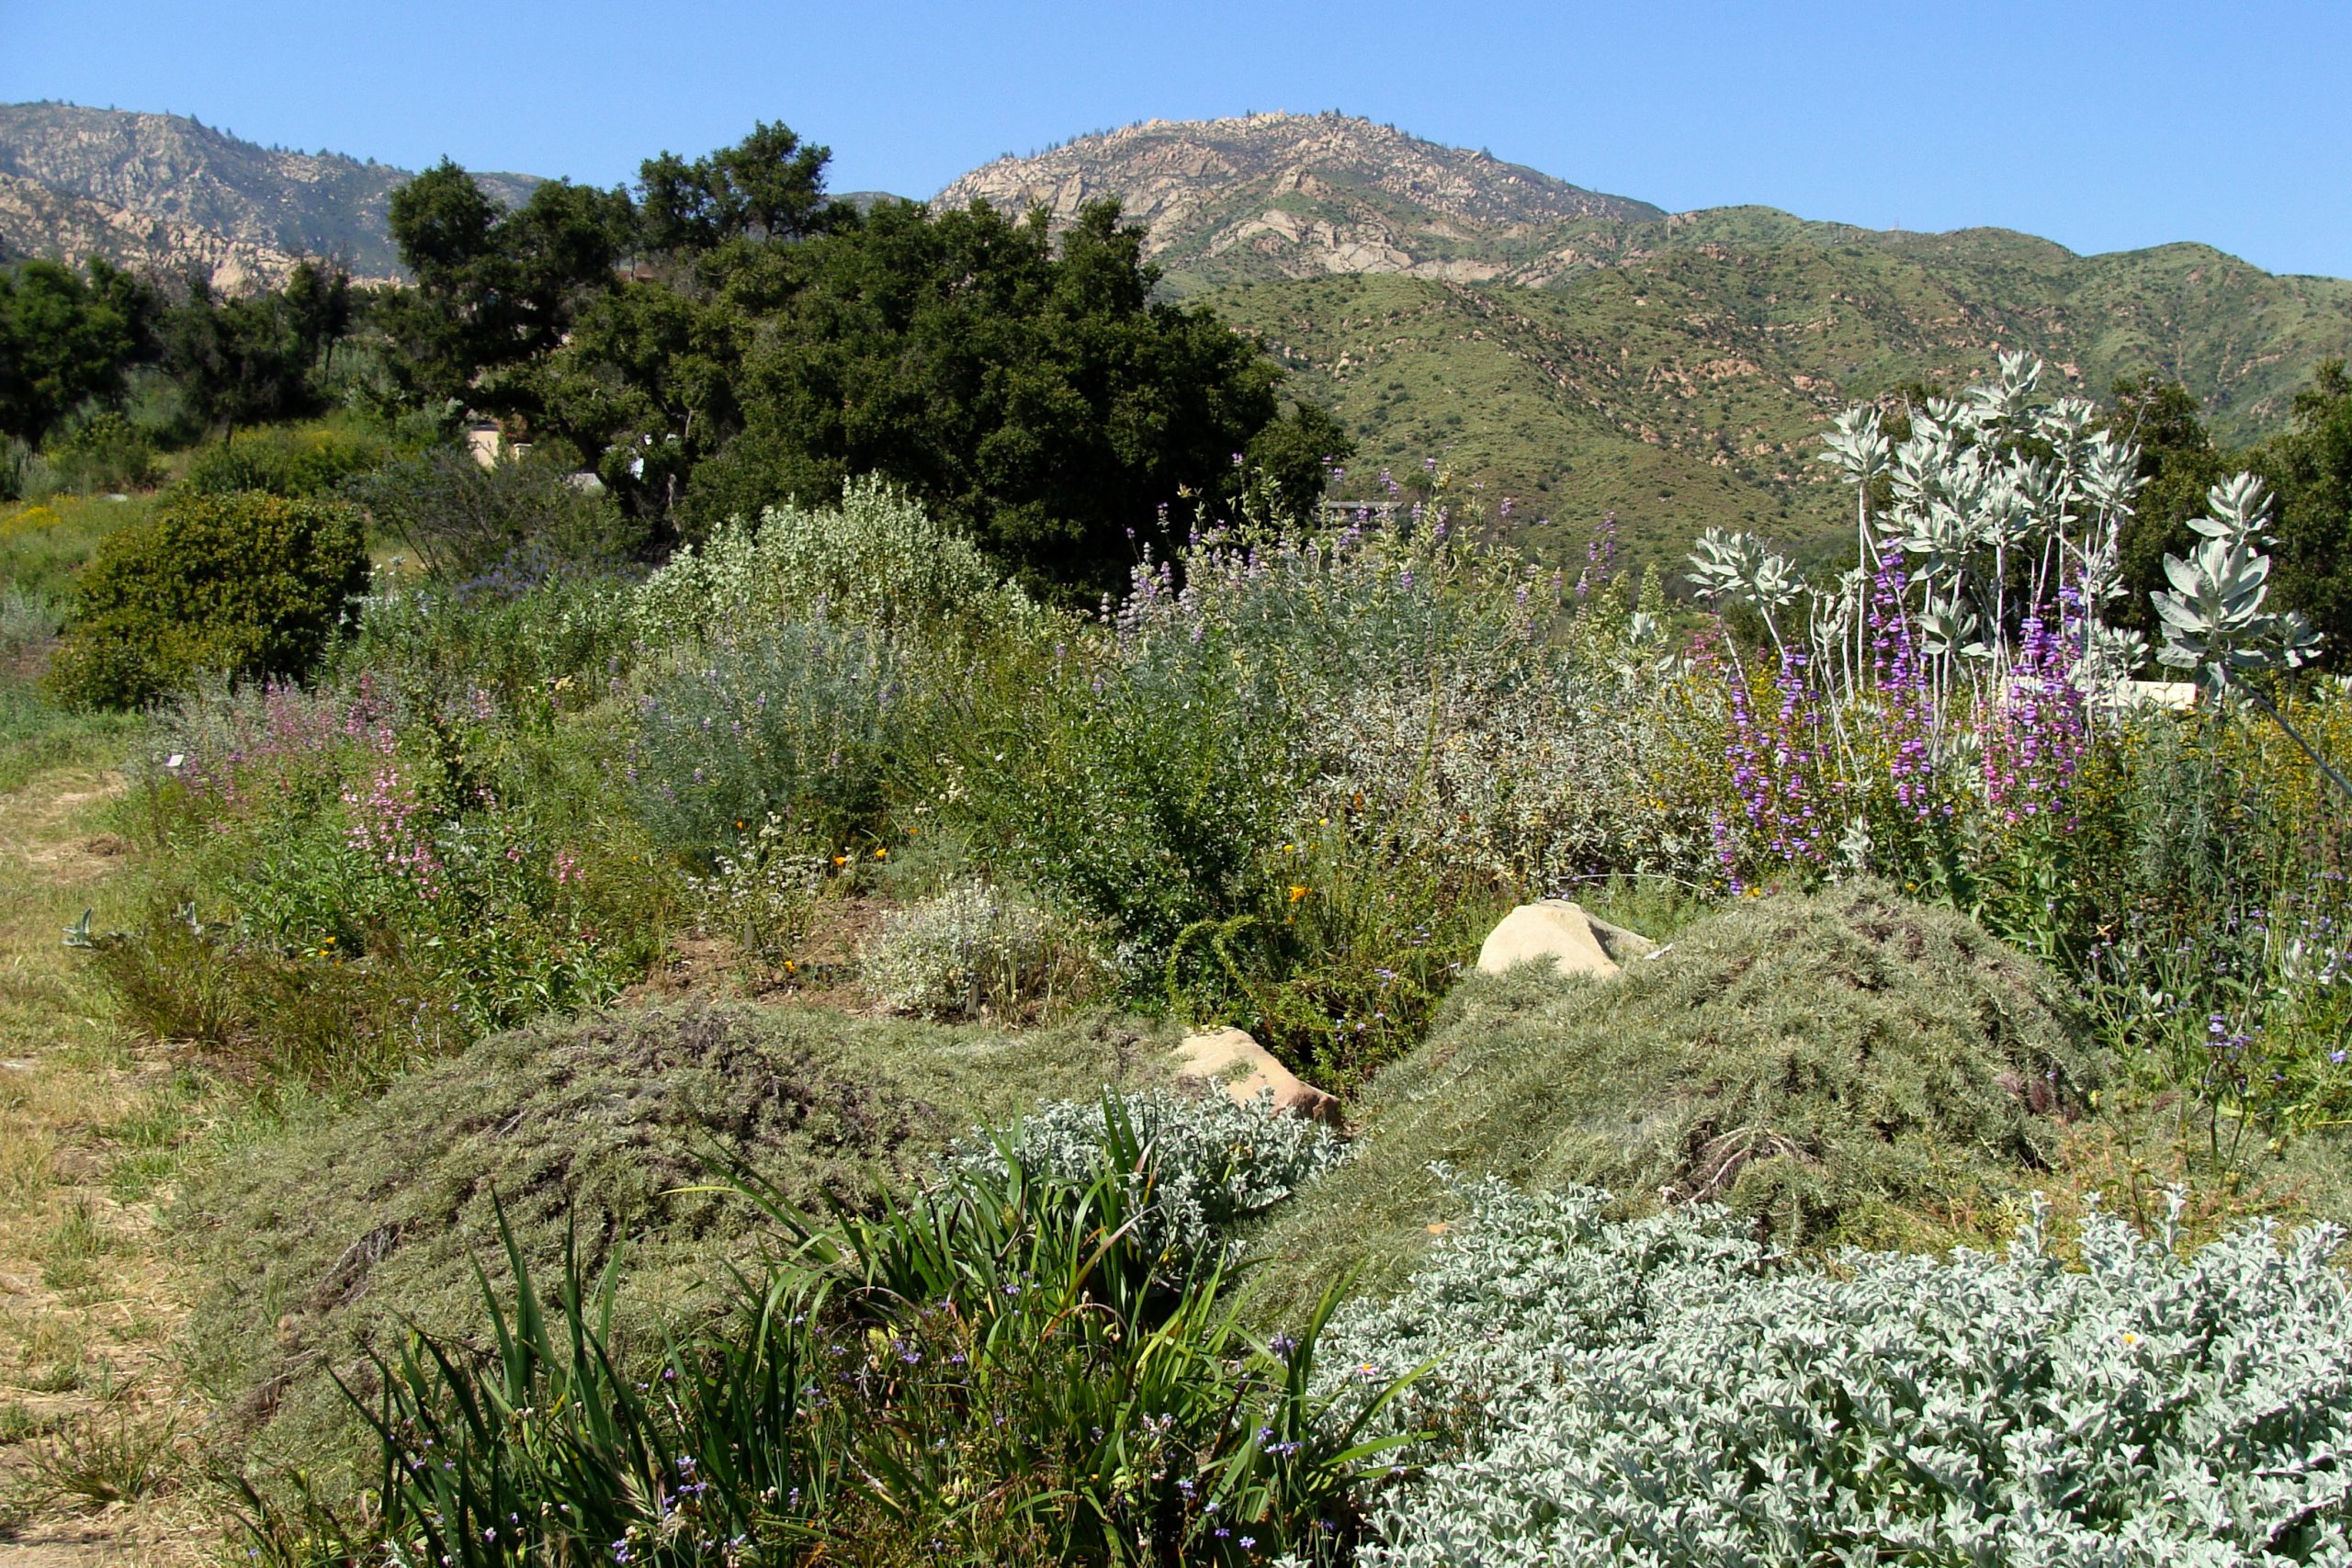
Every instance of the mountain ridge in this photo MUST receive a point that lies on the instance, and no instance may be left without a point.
(165, 191)
(1307, 192)
(1583, 353)
(1601, 357)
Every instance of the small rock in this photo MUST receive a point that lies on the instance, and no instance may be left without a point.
(1247, 1068)
(1560, 930)
(1621, 945)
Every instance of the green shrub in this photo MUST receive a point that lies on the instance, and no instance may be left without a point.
(313, 1017)
(1668, 1392)
(104, 453)
(1347, 944)
(1846, 1067)
(878, 560)
(298, 464)
(495, 529)
(1299, 779)
(251, 585)
(2211, 856)
(1428, 682)
(551, 646)
(332, 1241)
(378, 845)
(1135, 785)
(800, 721)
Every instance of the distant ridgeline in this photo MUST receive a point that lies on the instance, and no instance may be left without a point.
(1584, 354)
(1580, 353)
(164, 191)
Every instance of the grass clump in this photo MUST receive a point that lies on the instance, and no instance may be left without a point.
(1844, 1067)
(113, 1455)
(333, 1241)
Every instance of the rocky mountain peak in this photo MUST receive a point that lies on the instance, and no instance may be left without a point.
(1295, 194)
(163, 191)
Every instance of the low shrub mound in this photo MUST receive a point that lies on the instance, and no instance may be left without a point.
(246, 585)
(1213, 1163)
(1844, 1068)
(977, 950)
(338, 1237)
(1037, 1358)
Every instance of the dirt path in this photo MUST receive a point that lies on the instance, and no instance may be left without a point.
(96, 1439)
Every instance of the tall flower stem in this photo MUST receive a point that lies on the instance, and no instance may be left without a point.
(2263, 702)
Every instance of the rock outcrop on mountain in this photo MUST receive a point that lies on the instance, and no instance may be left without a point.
(166, 192)
(1298, 195)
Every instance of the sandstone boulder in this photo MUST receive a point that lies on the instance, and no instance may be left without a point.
(1560, 930)
(1247, 1069)
(1621, 945)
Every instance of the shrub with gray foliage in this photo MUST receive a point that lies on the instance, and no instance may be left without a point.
(1207, 1162)
(1666, 1392)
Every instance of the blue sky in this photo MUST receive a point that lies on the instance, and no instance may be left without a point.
(2101, 126)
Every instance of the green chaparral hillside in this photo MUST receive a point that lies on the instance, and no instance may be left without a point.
(1682, 386)
(1584, 354)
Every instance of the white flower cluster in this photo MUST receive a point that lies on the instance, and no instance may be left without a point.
(974, 949)
(759, 893)
(878, 560)
(1207, 1163)
(1663, 1392)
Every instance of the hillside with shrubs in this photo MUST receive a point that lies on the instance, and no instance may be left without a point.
(638, 995)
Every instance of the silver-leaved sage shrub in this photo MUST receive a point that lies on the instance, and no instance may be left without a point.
(1665, 1391)
(2216, 624)
(1206, 1164)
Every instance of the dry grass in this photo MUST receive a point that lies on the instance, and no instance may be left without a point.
(92, 1430)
